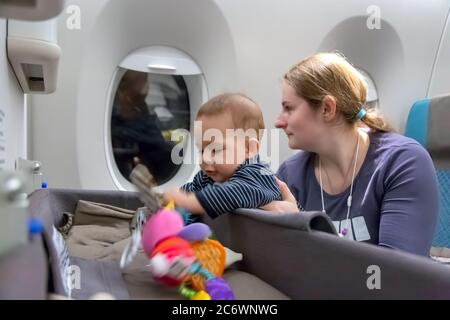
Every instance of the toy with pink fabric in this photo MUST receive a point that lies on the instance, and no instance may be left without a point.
(184, 256)
(180, 255)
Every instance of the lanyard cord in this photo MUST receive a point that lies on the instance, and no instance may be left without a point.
(349, 199)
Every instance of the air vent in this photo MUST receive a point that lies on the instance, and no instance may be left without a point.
(19, 3)
(35, 76)
(31, 10)
(34, 55)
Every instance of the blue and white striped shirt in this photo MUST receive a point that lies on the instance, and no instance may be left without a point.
(251, 186)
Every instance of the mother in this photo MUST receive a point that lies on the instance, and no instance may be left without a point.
(376, 185)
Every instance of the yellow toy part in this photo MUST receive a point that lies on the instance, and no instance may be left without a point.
(201, 295)
(170, 205)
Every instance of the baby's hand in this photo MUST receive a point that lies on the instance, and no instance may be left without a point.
(171, 195)
(184, 200)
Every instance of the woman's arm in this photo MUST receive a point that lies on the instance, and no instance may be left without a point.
(410, 204)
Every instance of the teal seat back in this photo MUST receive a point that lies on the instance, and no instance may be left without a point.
(429, 123)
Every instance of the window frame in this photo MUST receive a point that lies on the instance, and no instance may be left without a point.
(197, 92)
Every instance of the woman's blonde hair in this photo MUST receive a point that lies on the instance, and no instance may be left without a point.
(331, 74)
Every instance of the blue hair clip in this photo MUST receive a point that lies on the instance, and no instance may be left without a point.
(361, 113)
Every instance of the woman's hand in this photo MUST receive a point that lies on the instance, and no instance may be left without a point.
(288, 202)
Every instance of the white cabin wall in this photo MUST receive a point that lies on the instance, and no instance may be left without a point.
(53, 116)
(270, 37)
(12, 121)
(243, 46)
(72, 148)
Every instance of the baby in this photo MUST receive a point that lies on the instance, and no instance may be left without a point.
(232, 175)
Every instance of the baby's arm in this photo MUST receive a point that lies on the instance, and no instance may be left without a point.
(185, 200)
(185, 196)
(193, 186)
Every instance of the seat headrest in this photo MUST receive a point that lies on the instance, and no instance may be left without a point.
(428, 123)
(439, 131)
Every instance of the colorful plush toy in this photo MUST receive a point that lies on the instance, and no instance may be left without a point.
(184, 256)
(179, 255)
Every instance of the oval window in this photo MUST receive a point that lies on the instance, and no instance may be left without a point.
(372, 93)
(146, 108)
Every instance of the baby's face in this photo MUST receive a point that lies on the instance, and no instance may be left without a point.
(222, 150)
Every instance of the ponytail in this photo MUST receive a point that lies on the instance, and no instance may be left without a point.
(376, 121)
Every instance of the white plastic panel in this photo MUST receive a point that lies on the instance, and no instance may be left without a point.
(12, 119)
(42, 30)
(440, 81)
(161, 60)
(34, 54)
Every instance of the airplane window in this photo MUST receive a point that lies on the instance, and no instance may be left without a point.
(372, 93)
(146, 109)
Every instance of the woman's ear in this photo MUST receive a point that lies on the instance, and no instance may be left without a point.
(328, 108)
(252, 147)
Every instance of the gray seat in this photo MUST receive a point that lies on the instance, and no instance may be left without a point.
(24, 272)
(285, 255)
(428, 124)
(101, 276)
